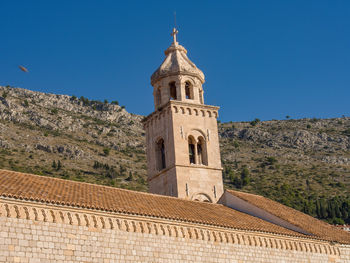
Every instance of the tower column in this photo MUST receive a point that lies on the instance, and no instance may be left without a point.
(196, 152)
(179, 89)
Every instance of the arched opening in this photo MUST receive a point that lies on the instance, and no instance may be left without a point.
(172, 87)
(201, 197)
(188, 90)
(160, 155)
(202, 151)
(191, 149)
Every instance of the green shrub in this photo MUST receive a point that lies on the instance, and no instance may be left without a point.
(59, 165)
(106, 151)
(255, 122)
(271, 160)
(129, 178)
(245, 176)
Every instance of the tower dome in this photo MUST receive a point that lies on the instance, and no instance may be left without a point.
(176, 62)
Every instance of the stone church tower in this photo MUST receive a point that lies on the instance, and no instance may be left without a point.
(183, 154)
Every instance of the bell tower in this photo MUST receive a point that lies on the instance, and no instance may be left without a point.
(183, 154)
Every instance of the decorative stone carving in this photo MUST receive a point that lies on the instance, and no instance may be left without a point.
(86, 219)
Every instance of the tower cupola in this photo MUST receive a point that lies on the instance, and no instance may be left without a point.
(177, 78)
(175, 63)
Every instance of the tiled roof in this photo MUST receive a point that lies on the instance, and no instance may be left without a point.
(304, 221)
(69, 193)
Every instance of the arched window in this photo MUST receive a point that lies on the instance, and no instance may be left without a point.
(160, 155)
(172, 87)
(202, 151)
(188, 90)
(191, 149)
(201, 197)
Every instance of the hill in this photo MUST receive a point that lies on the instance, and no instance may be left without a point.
(302, 163)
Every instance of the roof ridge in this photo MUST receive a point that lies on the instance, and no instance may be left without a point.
(109, 187)
(264, 197)
(231, 190)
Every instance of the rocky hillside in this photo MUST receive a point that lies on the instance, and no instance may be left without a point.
(73, 138)
(302, 163)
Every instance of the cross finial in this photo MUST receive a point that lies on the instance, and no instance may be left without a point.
(174, 33)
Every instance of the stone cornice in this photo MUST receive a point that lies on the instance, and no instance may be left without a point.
(97, 221)
(182, 104)
(200, 166)
(189, 104)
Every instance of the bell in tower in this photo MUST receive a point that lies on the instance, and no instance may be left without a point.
(183, 154)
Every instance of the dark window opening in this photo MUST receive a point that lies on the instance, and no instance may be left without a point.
(188, 90)
(160, 155)
(172, 90)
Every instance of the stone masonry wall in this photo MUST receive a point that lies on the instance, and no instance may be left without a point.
(32, 232)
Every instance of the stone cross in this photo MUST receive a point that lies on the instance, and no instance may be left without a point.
(174, 33)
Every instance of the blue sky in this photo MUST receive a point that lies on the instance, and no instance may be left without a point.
(262, 59)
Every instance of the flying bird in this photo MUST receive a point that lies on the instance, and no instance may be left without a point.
(23, 69)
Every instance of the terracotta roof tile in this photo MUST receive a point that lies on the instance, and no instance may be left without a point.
(295, 217)
(52, 190)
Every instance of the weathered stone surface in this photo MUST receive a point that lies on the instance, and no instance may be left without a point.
(61, 234)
